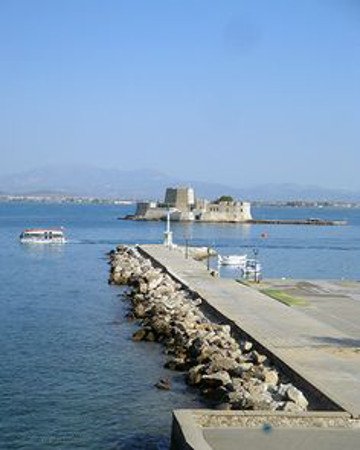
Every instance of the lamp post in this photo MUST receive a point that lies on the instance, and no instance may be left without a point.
(187, 237)
(256, 266)
(168, 234)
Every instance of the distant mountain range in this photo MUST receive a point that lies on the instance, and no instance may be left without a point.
(81, 180)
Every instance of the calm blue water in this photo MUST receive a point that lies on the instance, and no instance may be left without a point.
(70, 376)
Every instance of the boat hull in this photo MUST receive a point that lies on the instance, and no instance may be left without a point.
(42, 241)
(232, 260)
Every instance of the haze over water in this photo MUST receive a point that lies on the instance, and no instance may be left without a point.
(70, 376)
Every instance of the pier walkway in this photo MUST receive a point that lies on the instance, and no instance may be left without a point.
(326, 357)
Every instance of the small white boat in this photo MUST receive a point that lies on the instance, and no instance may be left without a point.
(232, 260)
(42, 236)
(252, 268)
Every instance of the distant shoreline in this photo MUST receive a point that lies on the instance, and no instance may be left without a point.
(296, 204)
(64, 200)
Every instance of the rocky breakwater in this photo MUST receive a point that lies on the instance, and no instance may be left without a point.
(230, 374)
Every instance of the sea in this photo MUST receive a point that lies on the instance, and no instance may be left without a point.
(70, 375)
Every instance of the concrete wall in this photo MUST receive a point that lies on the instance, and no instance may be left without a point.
(263, 430)
(224, 212)
(179, 216)
(149, 211)
(143, 207)
(185, 432)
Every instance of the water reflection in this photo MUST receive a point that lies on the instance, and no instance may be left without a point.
(43, 249)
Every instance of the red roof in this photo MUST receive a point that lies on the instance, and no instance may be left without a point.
(43, 230)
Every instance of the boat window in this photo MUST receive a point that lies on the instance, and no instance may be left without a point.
(42, 234)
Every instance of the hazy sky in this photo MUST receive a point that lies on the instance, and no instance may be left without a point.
(234, 91)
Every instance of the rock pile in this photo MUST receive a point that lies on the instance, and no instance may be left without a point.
(231, 375)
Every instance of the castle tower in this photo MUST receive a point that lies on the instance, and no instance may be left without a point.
(182, 198)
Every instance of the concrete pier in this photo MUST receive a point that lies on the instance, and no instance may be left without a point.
(319, 222)
(322, 357)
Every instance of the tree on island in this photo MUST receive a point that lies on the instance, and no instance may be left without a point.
(224, 198)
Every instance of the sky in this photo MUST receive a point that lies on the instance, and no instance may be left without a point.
(237, 92)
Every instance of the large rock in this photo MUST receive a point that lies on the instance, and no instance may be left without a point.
(176, 364)
(220, 362)
(155, 282)
(195, 374)
(139, 335)
(164, 384)
(270, 377)
(219, 394)
(297, 397)
(216, 379)
(139, 311)
(257, 357)
(292, 407)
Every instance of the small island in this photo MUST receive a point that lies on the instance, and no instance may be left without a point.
(181, 204)
(185, 207)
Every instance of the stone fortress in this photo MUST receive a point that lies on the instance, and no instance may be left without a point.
(184, 206)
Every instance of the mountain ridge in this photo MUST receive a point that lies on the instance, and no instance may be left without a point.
(149, 184)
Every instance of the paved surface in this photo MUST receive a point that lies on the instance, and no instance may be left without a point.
(336, 303)
(291, 439)
(256, 430)
(325, 355)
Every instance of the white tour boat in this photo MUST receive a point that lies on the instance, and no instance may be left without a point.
(42, 236)
(232, 260)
